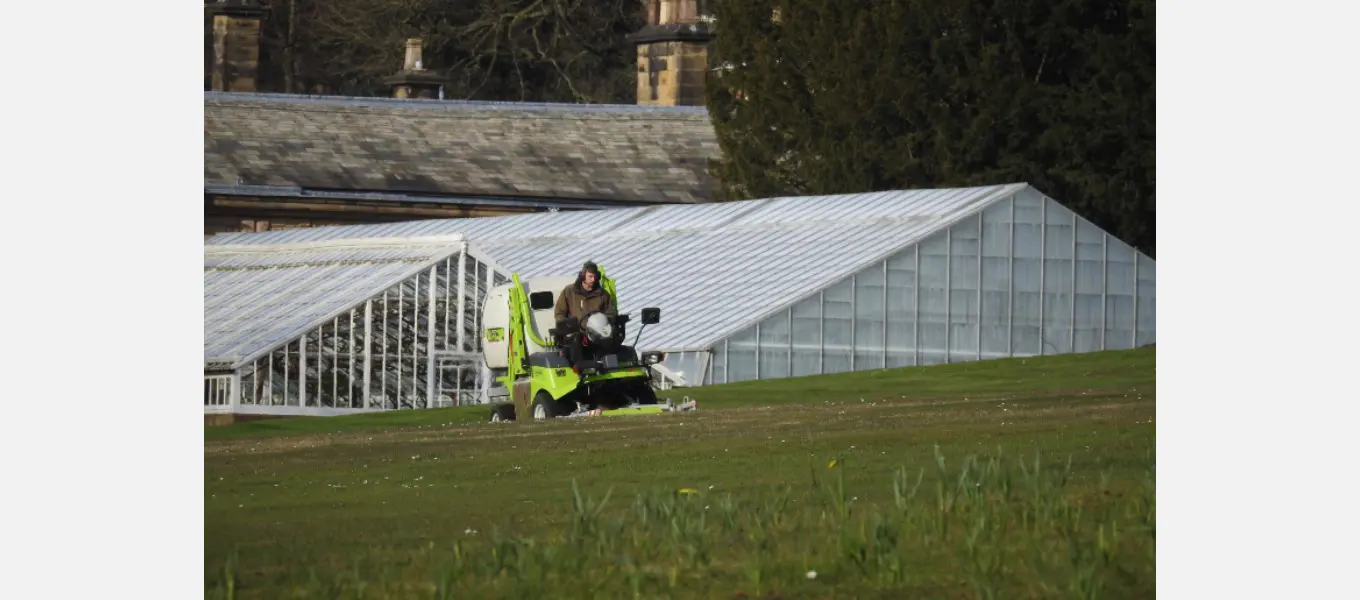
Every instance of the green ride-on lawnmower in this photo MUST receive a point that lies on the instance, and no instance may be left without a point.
(611, 380)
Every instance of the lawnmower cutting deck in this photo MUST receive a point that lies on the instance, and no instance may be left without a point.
(609, 380)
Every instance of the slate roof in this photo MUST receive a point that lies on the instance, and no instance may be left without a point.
(456, 148)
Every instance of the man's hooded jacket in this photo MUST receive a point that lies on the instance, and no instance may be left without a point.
(578, 303)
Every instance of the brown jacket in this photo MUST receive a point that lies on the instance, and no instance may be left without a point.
(578, 303)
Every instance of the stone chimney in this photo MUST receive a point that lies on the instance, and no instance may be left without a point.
(413, 80)
(236, 28)
(672, 53)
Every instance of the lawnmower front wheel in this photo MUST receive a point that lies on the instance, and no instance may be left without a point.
(544, 407)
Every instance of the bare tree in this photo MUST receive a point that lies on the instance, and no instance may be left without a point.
(536, 50)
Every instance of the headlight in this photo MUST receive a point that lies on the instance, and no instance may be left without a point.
(651, 358)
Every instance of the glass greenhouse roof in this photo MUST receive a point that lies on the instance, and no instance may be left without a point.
(259, 296)
(713, 269)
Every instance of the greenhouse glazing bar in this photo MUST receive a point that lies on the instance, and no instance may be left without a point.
(1010, 284)
(1072, 322)
(1043, 270)
(368, 353)
(350, 374)
(1133, 337)
(1104, 286)
(854, 320)
(335, 358)
(403, 336)
(302, 371)
(883, 364)
(401, 330)
(386, 329)
(916, 306)
(429, 338)
(821, 332)
(981, 252)
(462, 277)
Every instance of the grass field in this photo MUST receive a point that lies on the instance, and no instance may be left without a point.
(1024, 478)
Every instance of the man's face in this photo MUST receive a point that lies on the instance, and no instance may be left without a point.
(589, 280)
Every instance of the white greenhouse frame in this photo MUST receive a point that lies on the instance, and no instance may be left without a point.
(1093, 293)
(406, 343)
(760, 289)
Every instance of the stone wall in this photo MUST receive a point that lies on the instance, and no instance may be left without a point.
(672, 73)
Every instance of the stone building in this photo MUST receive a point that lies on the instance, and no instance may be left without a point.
(672, 51)
(275, 161)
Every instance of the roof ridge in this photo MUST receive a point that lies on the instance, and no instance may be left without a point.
(298, 101)
(728, 225)
(436, 240)
(240, 238)
(470, 113)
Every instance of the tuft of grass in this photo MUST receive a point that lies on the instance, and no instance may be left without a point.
(1039, 492)
(1124, 370)
(1049, 541)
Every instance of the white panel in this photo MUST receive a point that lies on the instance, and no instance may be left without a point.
(901, 326)
(1029, 207)
(741, 356)
(1026, 279)
(807, 337)
(1120, 288)
(837, 327)
(869, 318)
(686, 364)
(1090, 285)
(933, 312)
(1147, 301)
(717, 371)
(996, 280)
(1058, 253)
(964, 303)
(774, 346)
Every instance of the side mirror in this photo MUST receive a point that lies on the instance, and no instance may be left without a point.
(541, 300)
(651, 316)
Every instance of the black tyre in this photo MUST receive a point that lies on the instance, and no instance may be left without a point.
(502, 412)
(544, 407)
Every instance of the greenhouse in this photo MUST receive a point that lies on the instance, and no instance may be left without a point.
(379, 317)
(343, 326)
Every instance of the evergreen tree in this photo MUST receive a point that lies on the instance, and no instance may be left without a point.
(838, 97)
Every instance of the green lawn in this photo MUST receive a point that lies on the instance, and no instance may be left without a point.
(998, 479)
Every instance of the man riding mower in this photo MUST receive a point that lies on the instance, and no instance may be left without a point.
(583, 365)
(586, 319)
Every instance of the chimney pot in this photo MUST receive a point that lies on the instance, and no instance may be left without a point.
(236, 31)
(413, 59)
(413, 81)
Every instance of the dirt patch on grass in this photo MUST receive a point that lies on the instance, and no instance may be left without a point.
(724, 422)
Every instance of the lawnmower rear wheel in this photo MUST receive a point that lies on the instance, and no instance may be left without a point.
(502, 412)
